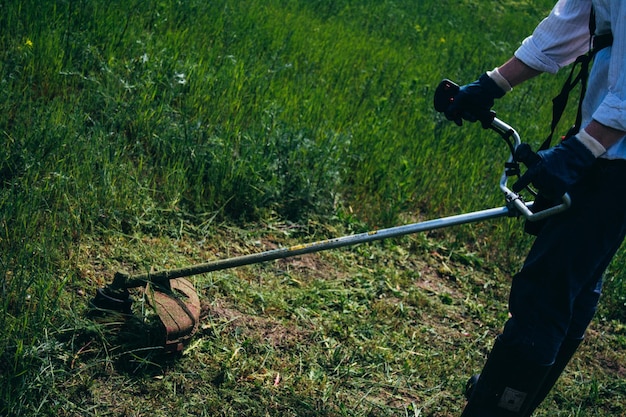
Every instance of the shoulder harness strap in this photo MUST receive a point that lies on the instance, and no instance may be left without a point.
(582, 63)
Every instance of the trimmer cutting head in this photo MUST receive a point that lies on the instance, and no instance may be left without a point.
(176, 304)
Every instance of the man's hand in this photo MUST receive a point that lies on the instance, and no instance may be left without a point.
(474, 101)
(554, 171)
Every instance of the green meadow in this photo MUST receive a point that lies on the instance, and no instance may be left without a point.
(148, 135)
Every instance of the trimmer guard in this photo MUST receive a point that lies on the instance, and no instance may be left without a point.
(178, 311)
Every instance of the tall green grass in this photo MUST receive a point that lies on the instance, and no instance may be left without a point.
(126, 116)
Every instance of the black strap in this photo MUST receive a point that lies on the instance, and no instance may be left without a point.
(560, 101)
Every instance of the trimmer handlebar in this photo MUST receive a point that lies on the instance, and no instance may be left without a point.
(444, 95)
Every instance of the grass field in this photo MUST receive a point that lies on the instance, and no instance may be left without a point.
(149, 135)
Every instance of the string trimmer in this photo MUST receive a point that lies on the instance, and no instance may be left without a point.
(174, 298)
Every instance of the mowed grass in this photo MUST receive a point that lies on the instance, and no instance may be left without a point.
(150, 135)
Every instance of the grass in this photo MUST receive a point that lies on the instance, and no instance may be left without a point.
(143, 135)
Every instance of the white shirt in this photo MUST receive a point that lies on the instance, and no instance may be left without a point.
(564, 35)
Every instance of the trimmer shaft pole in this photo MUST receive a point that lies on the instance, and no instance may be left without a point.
(124, 280)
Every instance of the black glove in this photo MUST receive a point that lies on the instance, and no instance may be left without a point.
(474, 101)
(554, 171)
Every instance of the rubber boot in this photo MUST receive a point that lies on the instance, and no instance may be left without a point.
(567, 350)
(507, 385)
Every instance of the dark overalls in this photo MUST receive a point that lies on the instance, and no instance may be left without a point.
(555, 295)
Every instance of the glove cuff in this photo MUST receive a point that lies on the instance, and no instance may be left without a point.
(490, 87)
(500, 81)
(590, 143)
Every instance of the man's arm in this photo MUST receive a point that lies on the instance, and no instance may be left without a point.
(516, 72)
(605, 135)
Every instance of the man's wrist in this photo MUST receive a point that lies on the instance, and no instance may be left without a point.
(606, 135)
(499, 80)
(590, 143)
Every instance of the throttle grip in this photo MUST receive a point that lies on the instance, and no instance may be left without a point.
(444, 94)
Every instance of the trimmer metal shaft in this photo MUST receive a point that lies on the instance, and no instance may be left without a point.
(124, 280)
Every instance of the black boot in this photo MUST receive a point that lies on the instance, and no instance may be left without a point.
(567, 350)
(507, 385)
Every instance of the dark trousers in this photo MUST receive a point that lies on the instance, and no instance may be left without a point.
(555, 295)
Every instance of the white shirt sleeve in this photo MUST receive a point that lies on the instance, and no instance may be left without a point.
(564, 35)
(559, 39)
(612, 111)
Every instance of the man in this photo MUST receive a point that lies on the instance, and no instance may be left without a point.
(554, 296)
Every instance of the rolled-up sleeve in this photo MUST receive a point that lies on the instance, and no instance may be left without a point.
(559, 38)
(612, 110)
